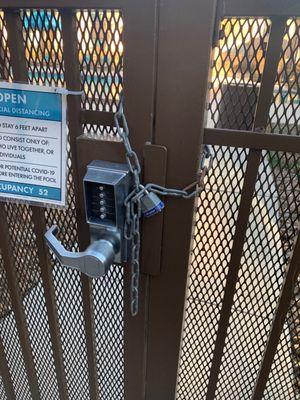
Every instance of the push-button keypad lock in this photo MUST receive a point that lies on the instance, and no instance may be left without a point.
(105, 185)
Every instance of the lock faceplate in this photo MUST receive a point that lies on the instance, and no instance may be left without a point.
(106, 185)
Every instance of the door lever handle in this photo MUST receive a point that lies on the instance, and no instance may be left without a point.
(94, 261)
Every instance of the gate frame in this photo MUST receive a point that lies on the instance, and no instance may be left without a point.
(171, 93)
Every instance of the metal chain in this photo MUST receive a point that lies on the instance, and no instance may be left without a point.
(133, 200)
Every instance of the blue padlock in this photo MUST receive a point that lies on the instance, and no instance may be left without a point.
(151, 204)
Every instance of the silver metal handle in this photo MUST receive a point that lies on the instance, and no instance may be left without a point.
(94, 261)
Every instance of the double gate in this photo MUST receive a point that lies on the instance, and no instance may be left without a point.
(219, 314)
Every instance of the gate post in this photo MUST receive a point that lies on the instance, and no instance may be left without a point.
(185, 36)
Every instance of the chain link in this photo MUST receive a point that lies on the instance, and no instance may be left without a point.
(133, 200)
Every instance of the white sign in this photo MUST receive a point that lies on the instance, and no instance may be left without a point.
(33, 143)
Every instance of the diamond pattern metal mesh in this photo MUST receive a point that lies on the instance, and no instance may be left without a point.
(2, 391)
(43, 46)
(216, 215)
(5, 67)
(284, 114)
(284, 378)
(261, 275)
(28, 275)
(5, 302)
(236, 71)
(70, 314)
(100, 47)
(283, 381)
(100, 131)
(11, 343)
(280, 385)
(109, 325)
(44, 53)
(238, 62)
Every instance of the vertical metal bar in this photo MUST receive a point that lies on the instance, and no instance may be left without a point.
(260, 121)
(270, 72)
(185, 36)
(17, 305)
(72, 77)
(265, 99)
(17, 58)
(140, 41)
(38, 218)
(278, 322)
(15, 44)
(233, 267)
(5, 373)
(20, 71)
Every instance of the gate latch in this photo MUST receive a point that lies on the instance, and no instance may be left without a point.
(106, 186)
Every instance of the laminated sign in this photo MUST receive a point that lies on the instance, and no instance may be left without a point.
(33, 143)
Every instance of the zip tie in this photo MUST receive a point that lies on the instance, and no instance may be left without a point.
(69, 92)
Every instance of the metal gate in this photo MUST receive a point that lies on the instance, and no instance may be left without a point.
(219, 313)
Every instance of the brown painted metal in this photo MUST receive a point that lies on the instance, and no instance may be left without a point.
(260, 121)
(270, 72)
(139, 21)
(227, 7)
(155, 161)
(98, 149)
(19, 67)
(38, 218)
(233, 267)
(108, 4)
(14, 30)
(278, 322)
(17, 306)
(252, 140)
(96, 117)
(153, 68)
(140, 26)
(5, 374)
(72, 78)
(180, 103)
(259, 8)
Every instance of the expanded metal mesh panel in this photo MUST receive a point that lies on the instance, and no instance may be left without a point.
(100, 57)
(284, 114)
(22, 238)
(44, 53)
(2, 391)
(100, 48)
(43, 46)
(71, 318)
(109, 325)
(39, 336)
(283, 382)
(284, 117)
(5, 67)
(261, 274)
(100, 131)
(11, 343)
(5, 302)
(216, 216)
(284, 379)
(237, 66)
(28, 275)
